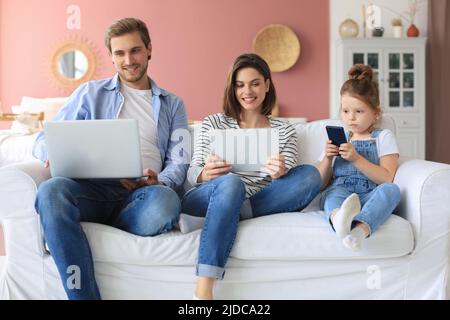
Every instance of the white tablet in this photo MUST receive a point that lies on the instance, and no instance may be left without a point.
(247, 150)
(94, 148)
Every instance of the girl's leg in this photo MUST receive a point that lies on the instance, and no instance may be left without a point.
(332, 199)
(378, 205)
(220, 200)
(292, 192)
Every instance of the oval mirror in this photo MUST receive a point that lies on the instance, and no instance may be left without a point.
(73, 62)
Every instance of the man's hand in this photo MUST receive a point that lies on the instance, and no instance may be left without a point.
(151, 179)
(276, 166)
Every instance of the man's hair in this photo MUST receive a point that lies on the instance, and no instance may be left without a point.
(231, 106)
(124, 26)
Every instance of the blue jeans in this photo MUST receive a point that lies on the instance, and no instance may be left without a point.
(220, 202)
(376, 205)
(63, 203)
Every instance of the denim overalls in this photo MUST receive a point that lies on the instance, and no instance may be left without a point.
(377, 201)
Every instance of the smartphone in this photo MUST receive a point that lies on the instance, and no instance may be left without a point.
(336, 135)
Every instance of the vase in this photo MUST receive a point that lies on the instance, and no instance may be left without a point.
(348, 29)
(412, 31)
(397, 31)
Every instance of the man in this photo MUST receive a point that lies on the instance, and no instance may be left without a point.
(146, 207)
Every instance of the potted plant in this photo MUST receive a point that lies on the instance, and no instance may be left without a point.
(397, 27)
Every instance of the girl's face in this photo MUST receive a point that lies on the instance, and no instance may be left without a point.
(251, 89)
(356, 115)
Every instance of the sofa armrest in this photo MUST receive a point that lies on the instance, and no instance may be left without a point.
(425, 190)
(19, 186)
(33, 168)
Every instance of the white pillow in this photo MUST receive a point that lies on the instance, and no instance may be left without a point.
(50, 106)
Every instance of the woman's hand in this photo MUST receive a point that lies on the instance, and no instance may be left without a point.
(348, 152)
(151, 179)
(276, 166)
(331, 150)
(214, 167)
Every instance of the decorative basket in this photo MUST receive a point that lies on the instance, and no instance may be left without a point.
(278, 45)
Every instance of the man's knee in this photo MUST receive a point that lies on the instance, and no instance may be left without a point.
(53, 191)
(160, 213)
(165, 199)
(52, 197)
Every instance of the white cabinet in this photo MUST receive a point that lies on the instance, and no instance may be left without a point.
(399, 68)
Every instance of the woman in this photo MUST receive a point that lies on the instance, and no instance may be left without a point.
(223, 197)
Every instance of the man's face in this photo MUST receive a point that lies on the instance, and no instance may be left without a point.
(130, 58)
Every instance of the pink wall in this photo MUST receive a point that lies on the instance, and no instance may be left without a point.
(194, 44)
(194, 41)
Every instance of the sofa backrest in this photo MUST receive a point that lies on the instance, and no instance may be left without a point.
(311, 136)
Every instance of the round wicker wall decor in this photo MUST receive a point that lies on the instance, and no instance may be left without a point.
(278, 45)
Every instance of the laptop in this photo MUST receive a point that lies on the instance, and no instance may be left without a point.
(94, 149)
(247, 150)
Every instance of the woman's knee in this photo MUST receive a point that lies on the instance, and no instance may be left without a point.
(231, 184)
(309, 177)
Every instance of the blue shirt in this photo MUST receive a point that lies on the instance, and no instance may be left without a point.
(101, 99)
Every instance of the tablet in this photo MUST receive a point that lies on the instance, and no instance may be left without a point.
(247, 150)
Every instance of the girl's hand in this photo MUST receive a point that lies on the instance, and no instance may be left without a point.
(214, 167)
(348, 152)
(276, 166)
(331, 150)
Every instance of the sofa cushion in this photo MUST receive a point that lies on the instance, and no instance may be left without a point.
(288, 236)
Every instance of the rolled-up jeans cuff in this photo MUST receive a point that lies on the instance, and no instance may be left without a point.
(205, 270)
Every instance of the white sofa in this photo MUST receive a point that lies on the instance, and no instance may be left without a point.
(284, 256)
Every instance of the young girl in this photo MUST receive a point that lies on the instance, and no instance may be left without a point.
(223, 197)
(363, 168)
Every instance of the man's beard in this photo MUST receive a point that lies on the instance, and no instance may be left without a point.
(136, 78)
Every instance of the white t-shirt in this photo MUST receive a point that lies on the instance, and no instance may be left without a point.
(385, 142)
(138, 105)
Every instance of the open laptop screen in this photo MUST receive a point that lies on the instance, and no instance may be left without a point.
(94, 148)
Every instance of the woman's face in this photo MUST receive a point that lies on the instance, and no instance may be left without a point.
(251, 89)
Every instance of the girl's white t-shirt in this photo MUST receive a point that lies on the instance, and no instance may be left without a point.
(385, 142)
